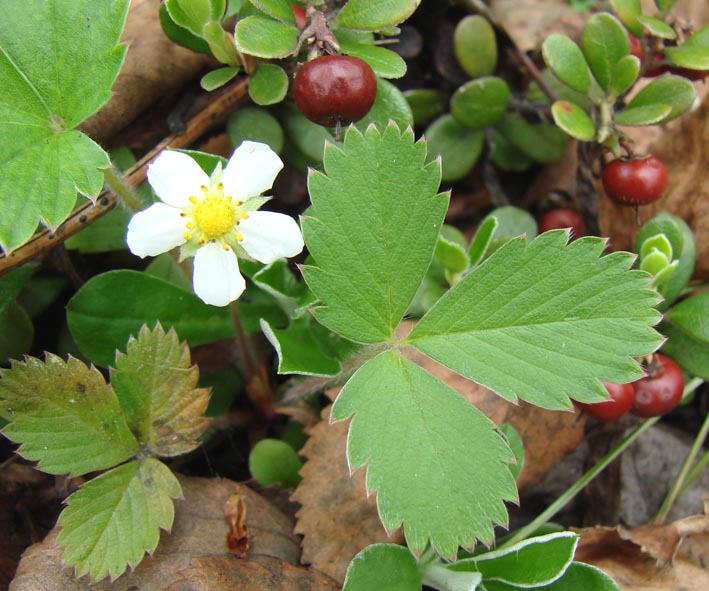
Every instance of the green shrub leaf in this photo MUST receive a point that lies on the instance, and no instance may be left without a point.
(390, 105)
(384, 62)
(156, 387)
(101, 323)
(462, 495)
(692, 58)
(218, 78)
(64, 415)
(604, 41)
(261, 36)
(268, 84)
(372, 230)
(542, 142)
(57, 68)
(657, 27)
(475, 46)
(113, 520)
(645, 115)
(257, 125)
(524, 331)
(628, 12)
(625, 73)
(567, 62)
(481, 102)
(675, 91)
(278, 9)
(458, 146)
(383, 566)
(692, 317)
(375, 15)
(573, 120)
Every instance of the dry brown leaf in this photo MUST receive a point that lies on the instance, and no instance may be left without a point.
(200, 529)
(226, 574)
(336, 518)
(237, 537)
(154, 70)
(637, 559)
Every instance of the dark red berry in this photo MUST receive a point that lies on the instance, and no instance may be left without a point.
(299, 14)
(334, 88)
(563, 217)
(635, 47)
(693, 75)
(620, 402)
(661, 390)
(635, 182)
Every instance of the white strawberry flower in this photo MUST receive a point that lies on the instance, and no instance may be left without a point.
(214, 218)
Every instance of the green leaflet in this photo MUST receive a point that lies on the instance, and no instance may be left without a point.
(545, 321)
(372, 231)
(58, 61)
(113, 520)
(383, 566)
(64, 415)
(435, 461)
(156, 386)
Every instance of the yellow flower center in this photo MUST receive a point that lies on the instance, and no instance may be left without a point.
(215, 215)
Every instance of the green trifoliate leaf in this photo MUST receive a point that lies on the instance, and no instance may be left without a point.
(573, 120)
(645, 115)
(480, 102)
(180, 35)
(156, 387)
(475, 46)
(384, 62)
(582, 576)
(64, 415)
(514, 440)
(674, 91)
(692, 317)
(657, 27)
(278, 9)
(114, 305)
(273, 461)
(113, 520)
(466, 461)
(458, 146)
(383, 566)
(531, 563)
(261, 36)
(567, 62)
(194, 14)
(372, 230)
(298, 350)
(268, 85)
(57, 68)
(543, 321)
(542, 142)
(691, 353)
(218, 78)
(375, 15)
(625, 73)
(256, 125)
(278, 281)
(628, 12)
(692, 58)
(510, 222)
(604, 42)
(684, 251)
(482, 240)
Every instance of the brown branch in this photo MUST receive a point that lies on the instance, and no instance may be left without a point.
(90, 211)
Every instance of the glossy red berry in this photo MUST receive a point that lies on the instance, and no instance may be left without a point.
(621, 400)
(635, 182)
(661, 390)
(334, 88)
(563, 217)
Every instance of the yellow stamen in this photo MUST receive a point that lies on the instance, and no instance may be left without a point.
(204, 188)
(193, 200)
(240, 237)
(214, 216)
(187, 236)
(190, 225)
(244, 216)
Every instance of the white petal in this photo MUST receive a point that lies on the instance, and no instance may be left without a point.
(155, 230)
(175, 176)
(216, 276)
(269, 236)
(251, 170)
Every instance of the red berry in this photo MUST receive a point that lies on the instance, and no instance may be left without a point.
(661, 390)
(299, 14)
(611, 410)
(693, 75)
(334, 88)
(635, 47)
(563, 217)
(635, 182)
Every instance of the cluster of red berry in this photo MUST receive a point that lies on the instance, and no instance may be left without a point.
(656, 394)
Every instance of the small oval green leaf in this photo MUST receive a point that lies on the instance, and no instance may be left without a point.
(573, 120)
(543, 142)
(628, 12)
(384, 62)
(375, 15)
(692, 58)
(625, 73)
(459, 147)
(475, 46)
(383, 564)
(699, 38)
(218, 78)
(268, 84)
(278, 9)
(264, 37)
(567, 62)
(675, 91)
(256, 125)
(190, 14)
(180, 35)
(425, 103)
(657, 27)
(604, 41)
(390, 105)
(646, 115)
(481, 102)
